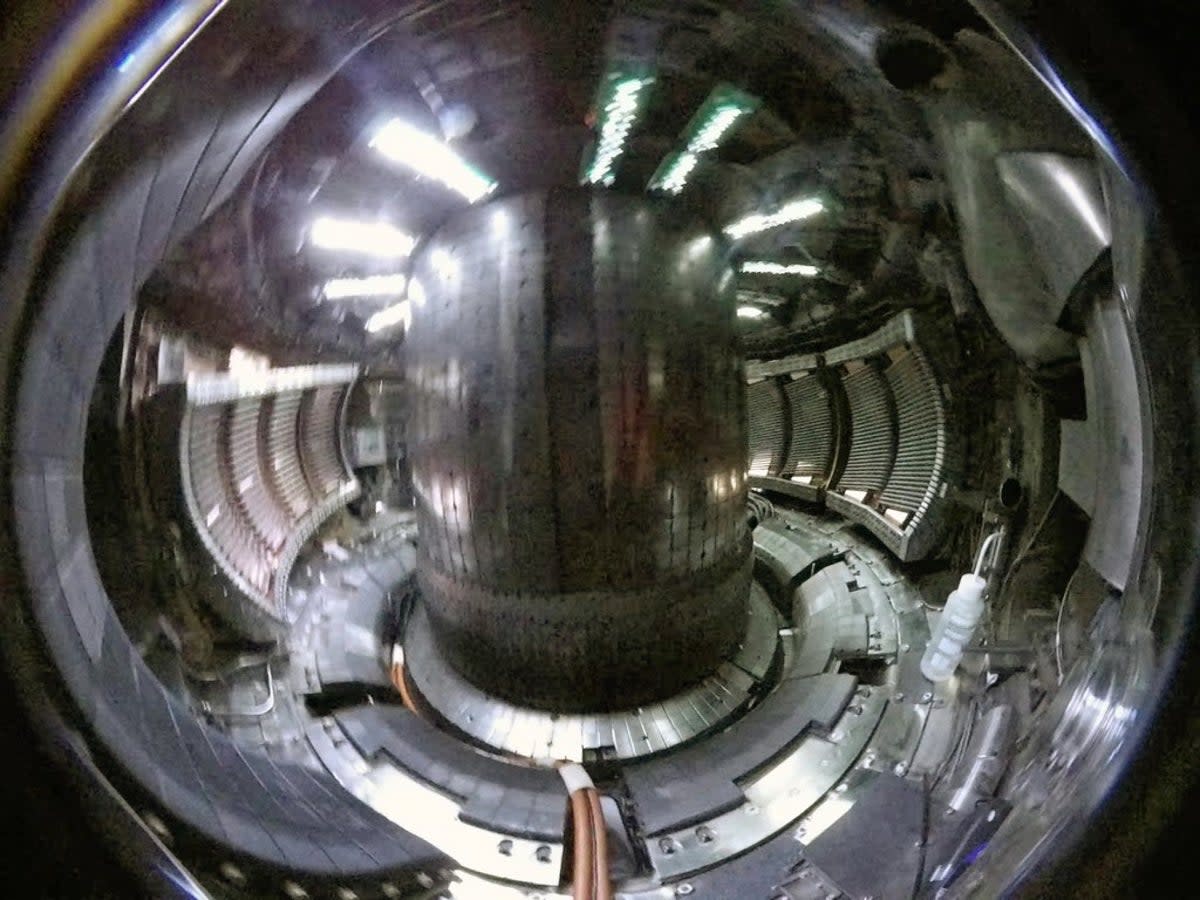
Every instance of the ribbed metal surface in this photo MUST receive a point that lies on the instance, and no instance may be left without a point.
(873, 438)
(251, 487)
(921, 423)
(284, 453)
(578, 444)
(233, 529)
(810, 450)
(620, 734)
(261, 472)
(319, 453)
(765, 422)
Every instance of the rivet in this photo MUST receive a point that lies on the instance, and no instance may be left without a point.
(505, 847)
(294, 891)
(155, 824)
(346, 894)
(542, 853)
(232, 873)
(901, 768)
(682, 890)
(666, 846)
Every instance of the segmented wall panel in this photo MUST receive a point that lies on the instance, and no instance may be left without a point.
(263, 465)
(810, 450)
(887, 433)
(872, 433)
(921, 424)
(765, 420)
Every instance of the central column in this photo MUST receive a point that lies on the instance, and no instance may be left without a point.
(578, 450)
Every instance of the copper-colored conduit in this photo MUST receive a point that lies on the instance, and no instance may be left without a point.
(581, 817)
(601, 875)
(400, 683)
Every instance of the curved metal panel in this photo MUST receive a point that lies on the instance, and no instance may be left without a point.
(578, 449)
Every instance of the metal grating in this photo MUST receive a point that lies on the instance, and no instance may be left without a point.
(262, 472)
(921, 421)
(765, 418)
(284, 453)
(872, 437)
(810, 451)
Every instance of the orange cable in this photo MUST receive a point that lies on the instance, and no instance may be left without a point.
(581, 816)
(600, 872)
(400, 683)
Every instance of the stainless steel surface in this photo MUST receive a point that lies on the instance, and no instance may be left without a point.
(882, 452)
(571, 352)
(205, 388)
(430, 815)
(566, 366)
(1116, 420)
(972, 125)
(622, 734)
(261, 467)
(991, 757)
(775, 797)
(1059, 198)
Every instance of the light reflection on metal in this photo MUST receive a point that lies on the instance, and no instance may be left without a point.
(796, 211)
(389, 317)
(725, 106)
(369, 238)
(410, 147)
(620, 98)
(777, 796)
(1009, 27)
(763, 267)
(626, 734)
(750, 312)
(373, 286)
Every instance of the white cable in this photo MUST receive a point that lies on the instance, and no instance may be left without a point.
(575, 777)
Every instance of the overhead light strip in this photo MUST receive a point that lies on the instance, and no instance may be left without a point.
(370, 238)
(713, 121)
(402, 143)
(764, 267)
(372, 286)
(795, 211)
(389, 317)
(618, 104)
(750, 312)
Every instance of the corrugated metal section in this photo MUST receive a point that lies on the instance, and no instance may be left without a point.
(921, 420)
(899, 445)
(284, 452)
(259, 469)
(872, 435)
(765, 418)
(319, 453)
(251, 487)
(810, 450)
